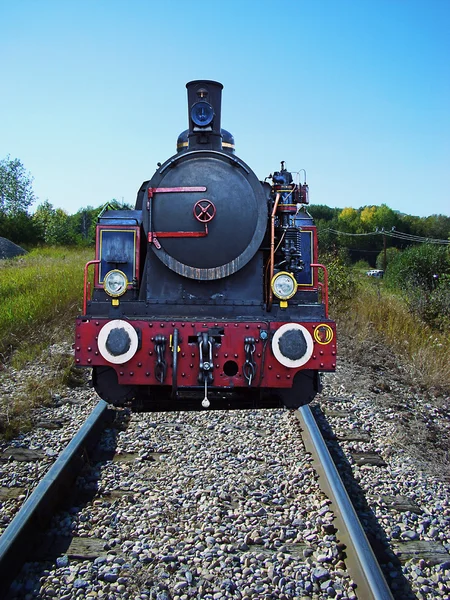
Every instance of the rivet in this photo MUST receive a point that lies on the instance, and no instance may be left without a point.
(183, 354)
(97, 323)
(131, 373)
(147, 374)
(226, 354)
(78, 360)
(321, 364)
(120, 372)
(78, 348)
(278, 376)
(139, 364)
(235, 356)
(150, 353)
(321, 353)
(192, 355)
(191, 365)
(183, 374)
(89, 360)
(89, 349)
(270, 366)
(96, 353)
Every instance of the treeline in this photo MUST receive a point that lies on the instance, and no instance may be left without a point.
(367, 231)
(363, 232)
(47, 225)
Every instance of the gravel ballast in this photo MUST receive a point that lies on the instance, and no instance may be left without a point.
(227, 505)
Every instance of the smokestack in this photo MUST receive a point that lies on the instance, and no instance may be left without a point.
(204, 112)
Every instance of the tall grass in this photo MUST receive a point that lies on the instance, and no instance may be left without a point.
(427, 351)
(39, 293)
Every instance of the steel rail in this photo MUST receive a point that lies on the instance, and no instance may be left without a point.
(360, 560)
(20, 537)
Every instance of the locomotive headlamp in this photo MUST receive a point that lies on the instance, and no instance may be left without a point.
(284, 285)
(202, 113)
(115, 283)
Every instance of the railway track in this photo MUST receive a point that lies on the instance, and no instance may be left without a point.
(360, 559)
(274, 536)
(18, 541)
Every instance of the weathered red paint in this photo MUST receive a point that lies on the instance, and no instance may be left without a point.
(140, 369)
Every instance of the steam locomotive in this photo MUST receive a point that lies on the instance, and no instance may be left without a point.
(209, 293)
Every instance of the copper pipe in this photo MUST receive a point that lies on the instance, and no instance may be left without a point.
(272, 249)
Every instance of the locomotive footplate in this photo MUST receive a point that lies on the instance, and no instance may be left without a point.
(207, 358)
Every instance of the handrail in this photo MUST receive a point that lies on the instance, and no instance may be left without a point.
(86, 293)
(323, 286)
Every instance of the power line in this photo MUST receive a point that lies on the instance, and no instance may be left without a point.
(393, 234)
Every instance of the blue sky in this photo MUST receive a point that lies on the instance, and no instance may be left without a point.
(357, 92)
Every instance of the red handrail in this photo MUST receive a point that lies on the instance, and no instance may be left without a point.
(323, 286)
(86, 291)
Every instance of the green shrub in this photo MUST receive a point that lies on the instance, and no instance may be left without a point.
(391, 254)
(417, 267)
(422, 275)
(341, 283)
(361, 265)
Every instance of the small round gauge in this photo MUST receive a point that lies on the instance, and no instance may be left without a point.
(284, 285)
(115, 283)
(202, 113)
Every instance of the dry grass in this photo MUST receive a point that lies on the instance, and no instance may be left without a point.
(40, 295)
(36, 386)
(375, 312)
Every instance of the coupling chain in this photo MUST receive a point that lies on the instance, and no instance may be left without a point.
(161, 365)
(249, 368)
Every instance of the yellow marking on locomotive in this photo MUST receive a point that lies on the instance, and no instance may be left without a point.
(323, 334)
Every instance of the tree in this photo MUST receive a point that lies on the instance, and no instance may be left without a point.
(53, 224)
(349, 220)
(16, 191)
(367, 217)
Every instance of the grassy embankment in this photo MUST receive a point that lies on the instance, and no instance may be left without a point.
(40, 295)
(375, 312)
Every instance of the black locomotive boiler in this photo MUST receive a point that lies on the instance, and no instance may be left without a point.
(209, 293)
